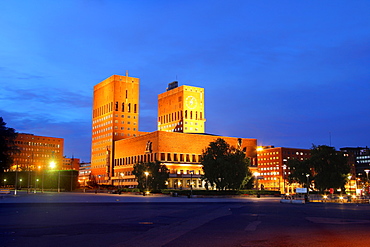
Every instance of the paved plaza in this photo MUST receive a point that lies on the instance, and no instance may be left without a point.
(89, 219)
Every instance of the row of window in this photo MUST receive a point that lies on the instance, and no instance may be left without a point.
(102, 119)
(271, 153)
(40, 150)
(128, 107)
(362, 157)
(270, 168)
(102, 136)
(177, 116)
(40, 144)
(164, 157)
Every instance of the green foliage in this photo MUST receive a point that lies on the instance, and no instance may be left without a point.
(298, 171)
(330, 167)
(157, 175)
(225, 167)
(327, 167)
(7, 146)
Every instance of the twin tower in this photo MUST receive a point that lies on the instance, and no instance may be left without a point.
(115, 116)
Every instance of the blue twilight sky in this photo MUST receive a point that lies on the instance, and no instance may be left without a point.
(289, 73)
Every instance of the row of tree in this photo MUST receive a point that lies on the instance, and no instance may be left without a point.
(327, 167)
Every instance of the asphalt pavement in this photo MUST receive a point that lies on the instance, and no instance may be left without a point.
(82, 219)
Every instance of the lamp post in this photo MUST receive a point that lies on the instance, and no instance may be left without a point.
(367, 175)
(284, 167)
(52, 166)
(36, 185)
(20, 184)
(308, 187)
(4, 182)
(367, 180)
(191, 183)
(256, 175)
(146, 180)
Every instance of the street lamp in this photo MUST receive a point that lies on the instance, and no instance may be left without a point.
(52, 166)
(146, 180)
(4, 182)
(256, 175)
(284, 167)
(308, 187)
(367, 175)
(367, 180)
(36, 185)
(191, 183)
(20, 184)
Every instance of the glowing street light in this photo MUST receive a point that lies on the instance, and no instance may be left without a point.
(256, 174)
(20, 183)
(146, 180)
(367, 175)
(36, 184)
(284, 167)
(53, 166)
(4, 182)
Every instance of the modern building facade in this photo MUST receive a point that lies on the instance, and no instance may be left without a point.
(37, 152)
(272, 168)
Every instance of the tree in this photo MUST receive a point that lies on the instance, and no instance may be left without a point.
(327, 167)
(157, 175)
(330, 167)
(299, 169)
(7, 146)
(225, 167)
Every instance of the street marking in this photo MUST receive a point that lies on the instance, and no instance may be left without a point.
(251, 227)
(336, 221)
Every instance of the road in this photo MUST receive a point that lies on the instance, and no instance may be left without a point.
(113, 220)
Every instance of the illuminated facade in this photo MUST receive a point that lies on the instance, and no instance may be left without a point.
(36, 152)
(117, 144)
(180, 152)
(181, 109)
(115, 116)
(272, 169)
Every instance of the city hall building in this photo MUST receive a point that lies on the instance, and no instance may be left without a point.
(117, 143)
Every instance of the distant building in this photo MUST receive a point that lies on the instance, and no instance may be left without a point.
(84, 173)
(37, 152)
(358, 159)
(272, 169)
(117, 143)
(71, 164)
